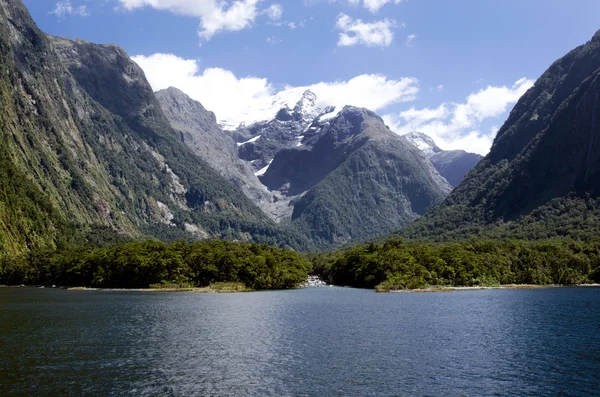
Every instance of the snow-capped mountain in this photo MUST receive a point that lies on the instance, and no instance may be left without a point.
(335, 175)
(298, 103)
(451, 164)
(424, 142)
(288, 128)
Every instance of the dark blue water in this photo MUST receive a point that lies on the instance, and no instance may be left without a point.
(312, 342)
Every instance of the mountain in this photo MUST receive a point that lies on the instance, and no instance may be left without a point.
(542, 175)
(349, 178)
(451, 164)
(335, 176)
(198, 128)
(284, 131)
(86, 147)
(338, 175)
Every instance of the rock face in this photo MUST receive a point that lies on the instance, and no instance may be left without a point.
(264, 139)
(542, 175)
(85, 145)
(451, 164)
(198, 128)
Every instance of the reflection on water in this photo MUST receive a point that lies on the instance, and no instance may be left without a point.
(317, 341)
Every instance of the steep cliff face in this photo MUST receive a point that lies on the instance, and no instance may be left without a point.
(546, 158)
(199, 129)
(85, 144)
(47, 167)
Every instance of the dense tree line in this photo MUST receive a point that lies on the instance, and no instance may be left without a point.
(396, 264)
(141, 264)
(389, 265)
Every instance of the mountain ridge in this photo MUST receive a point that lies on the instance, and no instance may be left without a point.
(541, 176)
(85, 146)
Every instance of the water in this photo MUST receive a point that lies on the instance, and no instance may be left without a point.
(312, 342)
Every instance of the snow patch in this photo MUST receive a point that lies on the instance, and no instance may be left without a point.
(423, 142)
(263, 171)
(329, 114)
(256, 138)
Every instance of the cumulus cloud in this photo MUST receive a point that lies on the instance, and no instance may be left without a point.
(237, 100)
(411, 40)
(458, 125)
(215, 15)
(64, 8)
(275, 12)
(355, 31)
(375, 5)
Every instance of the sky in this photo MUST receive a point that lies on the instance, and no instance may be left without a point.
(452, 69)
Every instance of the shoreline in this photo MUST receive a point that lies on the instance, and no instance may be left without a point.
(229, 291)
(90, 289)
(507, 286)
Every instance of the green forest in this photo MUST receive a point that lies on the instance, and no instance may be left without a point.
(397, 265)
(391, 265)
(150, 263)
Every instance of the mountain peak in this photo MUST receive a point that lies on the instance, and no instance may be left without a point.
(306, 107)
(309, 95)
(424, 142)
(596, 36)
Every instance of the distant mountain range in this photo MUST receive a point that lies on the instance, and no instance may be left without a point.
(89, 153)
(334, 175)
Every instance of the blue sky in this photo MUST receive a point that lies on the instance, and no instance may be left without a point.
(455, 79)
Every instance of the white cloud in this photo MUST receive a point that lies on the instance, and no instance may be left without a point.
(275, 12)
(458, 125)
(410, 40)
(215, 15)
(235, 100)
(353, 32)
(375, 5)
(372, 5)
(64, 8)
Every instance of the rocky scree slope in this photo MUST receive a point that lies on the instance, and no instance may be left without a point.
(198, 128)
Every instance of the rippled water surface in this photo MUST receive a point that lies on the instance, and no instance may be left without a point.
(311, 342)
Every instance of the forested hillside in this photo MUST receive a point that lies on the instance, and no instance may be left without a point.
(542, 176)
